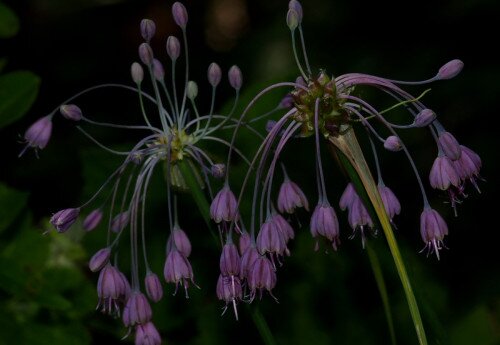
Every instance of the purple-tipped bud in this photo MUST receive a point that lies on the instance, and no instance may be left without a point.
(192, 90)
(92, 220)
(147, 335)
(450, 69)
(214, 74)
(443, 174)
(224, 206)
(153, 286)
(180, 241)
(112, 289)
(433, 229)
(284, 227)
(270, 239)
(247, 260)
(218, 170)
(424, 118)
(137, 311)
(468, 165)
(148, 29)
(100, 259)
(391, 202)
(324, 222)
(173, 47)
(137, 73)
(261, 276)
(286, 102)
(120, 221)
(38, 134)
(158, 70)
(292, 19)
(63, 219)
(177, 269)
(244, 242)
(71, 112)
(146, 54)
(297, 7)
(449, 145)
(229, 262)
(347, 197)
(392, 143)
(291, 196)
(180, 15)
(235, 77)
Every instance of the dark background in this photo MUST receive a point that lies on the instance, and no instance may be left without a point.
(324, 299)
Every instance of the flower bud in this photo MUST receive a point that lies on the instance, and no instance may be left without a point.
(120, 222)
(158, 70)
(71, 112)
(450, 69)
(449, 145)
(424, 118)
(100, 259)
(137, 73)
(235, 77)
(146, 54)
(392, 143)
(148, 29)
(63, 219)
(173, 47)
(92, 220)
(292, 19)
(297, 7)
(180, 15)
(192, 90)
(153, 287)
(218, 170)
(214, 74)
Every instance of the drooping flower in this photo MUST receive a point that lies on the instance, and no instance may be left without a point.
(433, 229)
(64, 219)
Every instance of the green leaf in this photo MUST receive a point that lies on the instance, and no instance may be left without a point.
(349, 146)
(11, 204)
(9, 23)
(18, 91)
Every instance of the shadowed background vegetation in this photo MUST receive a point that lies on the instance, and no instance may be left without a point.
(47, 294)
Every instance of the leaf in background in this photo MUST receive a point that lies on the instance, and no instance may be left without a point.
(11, 203)
(18, 91)
(9, 23)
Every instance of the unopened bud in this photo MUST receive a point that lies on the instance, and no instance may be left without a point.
(71, 112)
(393, 143)
(218, 170)
(158, 70)
(214, 74)
(192, 90)
(148, 29)
(173, 47)
(137, 72)
(424, 118)
(180, 15)
(295, 5)
(146, 54)
(100, 259)
(235, 77)
(292, 19)
(450, 69)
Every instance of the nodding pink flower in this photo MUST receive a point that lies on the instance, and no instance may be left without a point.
(178, 270)
(443, 174)
(270, 239)
(244, 242)
(262, 276)
(112, 290)
(229, 290)
(468, 166)
(285, 227)
(71, 112)
(247, 260)
(38, 134)
(120, 221)
(148, 29)
(137, 310)
(100, 259)
(64, 219)
(229, 262)
(147, 335)
(180, 240)
(359, 218)
(180, 14)
(347, 197)
(324, 222)
(153, 286)
(224, 206)
(290, 197)
(92, 220)
(391, 202)
(433, 229)
(449, 145)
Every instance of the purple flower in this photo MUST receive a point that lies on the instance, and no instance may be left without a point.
(137, 310)
(38, 134)
(112, 289)
(244, 242)
(147, 335)
(180, 15)
(393, 143)
(433, 229)
(229, 262)
(92, 220)
(324, 223)
(290, 197)
(148, 29)
(71, 112)
(468, 165)
(153, 286)
(247, 260)
(261, 276)
(229, 290)
(158, 70)
(218, 170)
(270, 239)
(359, 218)
(450, 69)
(424, 118)
(224, 206)
(179, 239)
(284, 227)
(100, 259)
(347, 197)
(391, 202)
(146, 54)
(173, 47)
(449, 145)
(443, 173)
(178, 270)
(120, 221)
(63, 219)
